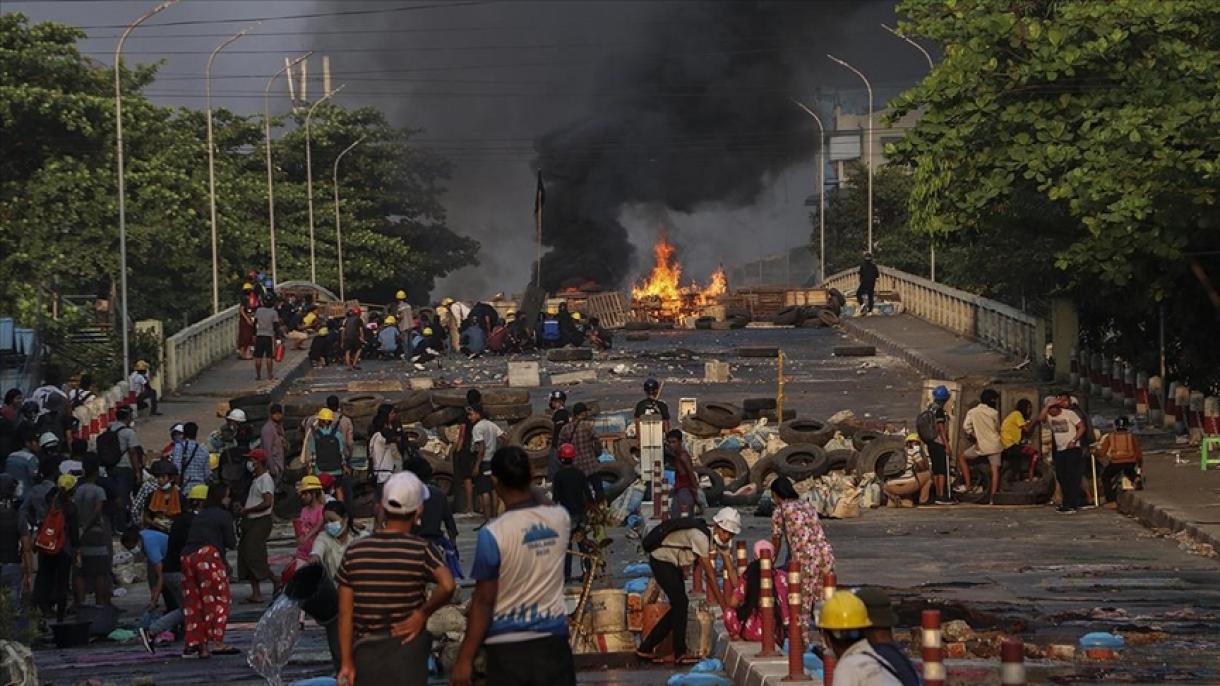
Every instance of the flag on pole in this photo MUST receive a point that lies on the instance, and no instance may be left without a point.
(539, 201)
(539, 195)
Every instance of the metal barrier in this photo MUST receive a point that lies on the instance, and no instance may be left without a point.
(989, 322)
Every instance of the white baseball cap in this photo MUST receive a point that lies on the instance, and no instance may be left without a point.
(177, 429)
(47, 439)
(403, 494)
(729, 520)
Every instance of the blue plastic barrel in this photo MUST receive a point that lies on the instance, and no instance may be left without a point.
(23, 340)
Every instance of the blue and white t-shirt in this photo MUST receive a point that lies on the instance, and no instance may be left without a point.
(523, 549)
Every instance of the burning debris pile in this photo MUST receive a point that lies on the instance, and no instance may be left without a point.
(661, 297)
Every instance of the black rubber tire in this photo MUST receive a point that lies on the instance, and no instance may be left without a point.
(758, 404)
(738, 322)
(616, 476)
(863, 438)
(730, 465)
(699, 428)
(442, 476)
(415, 436)
(801, 461)
(720, 415)
(829, 318)
(509, 413)
(885, 452)
(363, 405)
(491, 396)
(750, 500)
(536, 431)
(704, 323)
(769, 415)
(715, 491)
(415, 414)
(1035, 492)
(569, 355)
(722, 325)
(758, 351)
(443, 417)
(638, 336)
(763, 472)
(787, 316)
(637, 326)
(839, 459)
(854, 351)
(805, 431)
(411, 400)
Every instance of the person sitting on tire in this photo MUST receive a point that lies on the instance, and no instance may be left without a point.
(686, 481)
(1126, 458)
(982, 427)
(1013, 436)
(916, 478)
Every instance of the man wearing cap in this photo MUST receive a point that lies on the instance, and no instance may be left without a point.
(256, 528)
(685, 545)
(191, 459)
(571, 490)
(517, 613)
(560, 416)
(844, 622)
(138, 384)
(383, 601)
(914, 485)
(171, 571)
(880, 635)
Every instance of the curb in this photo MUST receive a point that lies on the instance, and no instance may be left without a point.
(916, 360)
(1155, 512)
(744, 669)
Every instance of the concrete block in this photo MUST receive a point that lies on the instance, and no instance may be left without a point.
(716, 372)
(420, 383)
(523, 375)
(375, 386)
(585, 376)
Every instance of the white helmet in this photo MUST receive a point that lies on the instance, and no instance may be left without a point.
(729, 520)
(238, 415)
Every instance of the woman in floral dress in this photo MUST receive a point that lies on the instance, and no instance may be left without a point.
(796, 521)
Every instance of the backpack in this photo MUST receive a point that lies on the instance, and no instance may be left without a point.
(1122, 448)
(925, 426)
(327, 454)
(652, 540)
(51, 533)
(109, 451)
(550, 330)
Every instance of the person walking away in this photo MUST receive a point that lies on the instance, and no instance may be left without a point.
(915, 479)
(686, 481)
(138, 384)
(844, 623)
(652, 405)
(82, 393)
(436, 514)
(271, 440)
(191, 459)
(119, 450)
(403, 313)
(266, 330)
(673, 546)
(171, 574)
(570, 490)
(326, 453)
(1067, 429)
(353, 339)
(16, 549)
(932, 425)
(580, 434)
(58, 545)
(743, 614)
(96, 536)
(796, 522)
(868, 283)
(982, 427)
(1125, 459)
(880, 634)
(383, 601)
(205, 583)
(458, 313)
(1013, 432)
(484, 441)
(256, 528)
(23, 463)
(56, 420)
(517, 612)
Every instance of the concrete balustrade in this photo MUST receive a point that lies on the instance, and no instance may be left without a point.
(198, 346)
(987, 321)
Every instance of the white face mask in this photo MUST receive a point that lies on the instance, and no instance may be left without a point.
(250, 465)
(335, 529)
(166, 486)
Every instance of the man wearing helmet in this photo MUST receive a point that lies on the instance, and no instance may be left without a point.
(982, 428)
(868, 283)
(932, 426)
(845, 623)
(652, 405)
(232, 441)
(404, 316)
(1125, 458)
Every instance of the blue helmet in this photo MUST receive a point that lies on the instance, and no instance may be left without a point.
(940, 393)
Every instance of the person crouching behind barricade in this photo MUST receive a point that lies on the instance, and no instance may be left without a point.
(914, 485)
(743, 618)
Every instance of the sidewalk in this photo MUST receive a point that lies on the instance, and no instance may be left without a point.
(927, 347)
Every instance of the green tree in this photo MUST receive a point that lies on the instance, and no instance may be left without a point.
(1105, 115)
(894, 243)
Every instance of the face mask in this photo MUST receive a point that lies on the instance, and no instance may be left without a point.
(912, 450)
(166, 486)
(250, 464)
(334, 528)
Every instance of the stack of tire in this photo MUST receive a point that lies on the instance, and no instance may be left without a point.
(734, 319)
(711, 419)
(508, 405)
(810, 316)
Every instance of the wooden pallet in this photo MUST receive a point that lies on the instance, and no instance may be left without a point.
(610, 308)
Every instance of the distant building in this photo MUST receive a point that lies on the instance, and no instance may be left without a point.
(847, 140)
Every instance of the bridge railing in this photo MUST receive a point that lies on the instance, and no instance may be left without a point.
(198, 346)
(990, 322)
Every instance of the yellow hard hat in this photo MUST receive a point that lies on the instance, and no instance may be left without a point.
(843, 612)
(446, 302)
(510, 313)
(576, 315)
(197, 492)
(391, 320)
(326, 414)
(247, 286)
(913, 438)
(552, 310)
(141, 366)
(323, 331)
(401, 295)
(66, 482)
(427, 330)
(309, 318)
(309, 483)
(213, 461)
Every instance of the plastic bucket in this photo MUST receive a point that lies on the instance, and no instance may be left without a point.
(315, 592)
(614, 641)
(608, 608)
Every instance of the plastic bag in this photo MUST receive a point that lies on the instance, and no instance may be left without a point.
(699, 679)
(606, 457)
(274, 638)
(627, 504)
(710, 664)
(636, 569)
(637, 585)
(731, 443)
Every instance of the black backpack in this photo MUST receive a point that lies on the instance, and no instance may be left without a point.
(328, 455)
(108, 450)
(652, 540)
(925, 425)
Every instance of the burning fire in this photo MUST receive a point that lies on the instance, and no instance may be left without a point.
(662, 291)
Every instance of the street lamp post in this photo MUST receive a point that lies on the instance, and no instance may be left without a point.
(275, 277)
(118, 137)
(207, 85)
(869, 141)
(821, 184)
(931, 66)
(339, 231)
(313, 264)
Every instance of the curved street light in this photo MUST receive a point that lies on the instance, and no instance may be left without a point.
(275, 277)
(338, 231)
(313, 264)
(869, 143)
(821, 184)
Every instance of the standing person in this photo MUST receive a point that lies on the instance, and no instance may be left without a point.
(23, 463)
(982, 427)
(271, 440)
(205, 583)
(517, 612)
(138, 383)
(1126, 458)
(868, 283)
(435, 513)
(10, 417)
(579, 433)
(484, 441)
(325, 452)
(96, 537)
(880, 634)
(796, 522)
(559, 418)
(1067, 429)
(403, 313)
(171, 571)
(383, 606)
(652, 405)
(245, 321)
(83, 392)
(191, 459)
(932, 425)
(744, 623)
(570, 490)
(466, 464)
(256, 528)
(163, 502)
(52, 386)
(685, 541)
(319, 348)
(266, 330)
(309, 522)
(384, 438)
(16, 554)
(353, 339)
(233, 442)
(121, 453)
(844, 623)
(458, 312)
(686, 481)
(58, 546)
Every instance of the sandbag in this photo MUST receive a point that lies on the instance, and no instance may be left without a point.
(847, 506)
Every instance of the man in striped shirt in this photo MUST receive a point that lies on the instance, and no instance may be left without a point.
(383, 606)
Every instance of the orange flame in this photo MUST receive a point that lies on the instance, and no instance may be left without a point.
(666, 274)
(662, 290)
(719, 284)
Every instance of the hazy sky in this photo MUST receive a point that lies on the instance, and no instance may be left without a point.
(483, 80)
